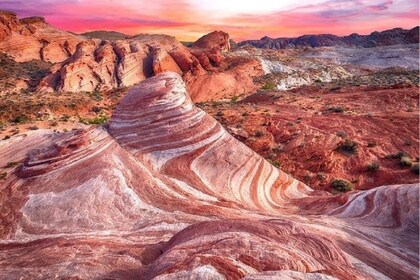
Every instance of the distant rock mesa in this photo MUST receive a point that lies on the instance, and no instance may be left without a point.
(385, 38)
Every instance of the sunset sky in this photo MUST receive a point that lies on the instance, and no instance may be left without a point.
(189, 19)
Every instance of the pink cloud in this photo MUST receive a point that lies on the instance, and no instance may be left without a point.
(182, 19)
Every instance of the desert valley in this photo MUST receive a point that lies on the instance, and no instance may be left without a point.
(144, 157)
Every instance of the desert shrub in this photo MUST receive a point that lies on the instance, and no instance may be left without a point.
(20, 119)
(97, 120)
(219, 114)
(34, 127)
(337, 109)
(65, 118)
(234, 99)
(97, 95)
(259, 133)
(397, 155)
(341, 185)
(269, 86)
(405, 162)
(276, 163)
(415, 168)
(3, 175)
(348, 146)
(321, 176)
(373, 167)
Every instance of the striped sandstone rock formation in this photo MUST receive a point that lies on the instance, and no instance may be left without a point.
(166, 193)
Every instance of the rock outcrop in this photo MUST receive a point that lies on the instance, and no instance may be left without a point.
(32, 38)
(163, 62)
(167, 193)
(102, 65)
(226, 82)
(385, 38)
(215, 40)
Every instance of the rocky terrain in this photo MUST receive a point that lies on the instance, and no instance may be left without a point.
(406, 56)
(385, 38)
(348, 129)
(164, 192)
(139, 157)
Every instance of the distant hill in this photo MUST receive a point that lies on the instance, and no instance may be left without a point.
(385, 38)
(106, 35)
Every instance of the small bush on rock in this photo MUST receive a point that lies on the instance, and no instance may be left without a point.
(269, 86)
(349, 146)
(97, 120)
(341, 185)
(373, 167)
(259, 133)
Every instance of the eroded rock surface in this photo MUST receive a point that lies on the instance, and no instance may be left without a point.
(32, 38)
(167, 193)
(214, 40)
(96, 65)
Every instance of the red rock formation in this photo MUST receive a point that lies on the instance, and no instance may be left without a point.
(32, 38)
(227, 75)
(167, 193)
(103, 65)
(224, 83)
(215, 40)
(163, 62)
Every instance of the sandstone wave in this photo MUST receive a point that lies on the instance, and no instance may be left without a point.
(165, 192)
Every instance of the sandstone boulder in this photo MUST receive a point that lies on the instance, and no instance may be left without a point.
(216, 39)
